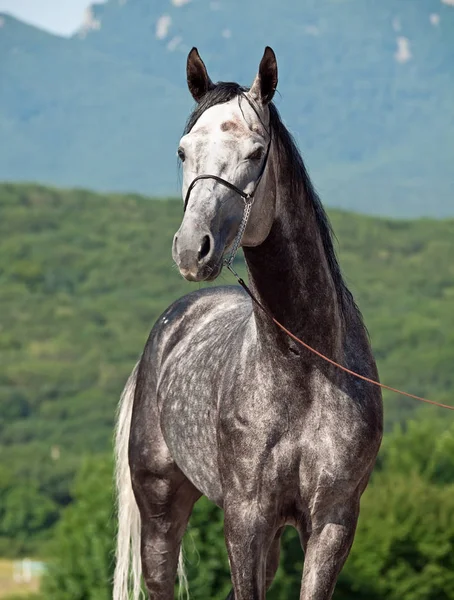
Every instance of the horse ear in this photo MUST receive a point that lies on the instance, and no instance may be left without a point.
(199, 82)
(265, 84)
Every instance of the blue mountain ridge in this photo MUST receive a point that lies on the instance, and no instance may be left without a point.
(366, 87)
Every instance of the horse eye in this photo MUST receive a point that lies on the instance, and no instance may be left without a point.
(256, 155)
(181, 154)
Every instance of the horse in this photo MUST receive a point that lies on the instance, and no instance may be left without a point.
(224, 404)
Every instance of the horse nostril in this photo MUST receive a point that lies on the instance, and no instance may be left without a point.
(204, 248)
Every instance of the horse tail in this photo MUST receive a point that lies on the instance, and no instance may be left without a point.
(127, 578)
(183, 586)
(128, 569)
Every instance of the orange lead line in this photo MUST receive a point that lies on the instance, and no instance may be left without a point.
(333, 362)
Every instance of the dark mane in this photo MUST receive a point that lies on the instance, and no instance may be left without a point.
(298, 178)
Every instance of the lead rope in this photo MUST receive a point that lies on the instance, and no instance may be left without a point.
(229, 261)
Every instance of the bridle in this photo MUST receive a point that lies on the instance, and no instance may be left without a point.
(248, 198)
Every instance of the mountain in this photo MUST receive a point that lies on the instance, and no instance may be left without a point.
(366, 87)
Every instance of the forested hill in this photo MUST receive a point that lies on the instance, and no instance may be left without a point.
(84, 276)
(365, 85)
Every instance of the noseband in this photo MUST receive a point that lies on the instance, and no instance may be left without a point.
(248, 198)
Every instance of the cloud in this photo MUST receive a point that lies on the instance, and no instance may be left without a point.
(312, 30)
(163, 26)
(174, 43)
(90, 23)
(396, 24)
(403, 52)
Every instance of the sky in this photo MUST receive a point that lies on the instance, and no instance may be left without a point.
(58, 16)
(62, 16)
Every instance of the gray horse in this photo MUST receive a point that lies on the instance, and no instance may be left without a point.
(223, 403)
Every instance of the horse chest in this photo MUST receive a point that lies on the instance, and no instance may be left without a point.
(304, 441)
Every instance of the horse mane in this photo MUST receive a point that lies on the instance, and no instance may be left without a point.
(297, 177)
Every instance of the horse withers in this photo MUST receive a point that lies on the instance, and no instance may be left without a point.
(222, 402)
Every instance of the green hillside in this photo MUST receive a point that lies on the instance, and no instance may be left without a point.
(365, 86)
(82, 279)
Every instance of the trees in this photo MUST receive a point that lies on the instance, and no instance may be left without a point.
(83, 561)
(403, 549)
(404, 546)
(24, 511)
(83, 276)
(82, 279)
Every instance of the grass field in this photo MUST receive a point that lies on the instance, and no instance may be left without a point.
(10, 587)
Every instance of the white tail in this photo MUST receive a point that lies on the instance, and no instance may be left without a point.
(127, 579)
(128, 570)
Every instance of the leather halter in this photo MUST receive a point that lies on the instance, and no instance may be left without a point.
(246, 197)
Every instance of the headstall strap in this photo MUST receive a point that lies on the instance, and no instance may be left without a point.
(248, 198)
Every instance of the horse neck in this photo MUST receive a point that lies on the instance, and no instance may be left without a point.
(289, 274)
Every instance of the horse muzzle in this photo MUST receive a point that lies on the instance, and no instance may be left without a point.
(196, 257)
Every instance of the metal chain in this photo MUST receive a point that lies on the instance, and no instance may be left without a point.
(239, 236)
